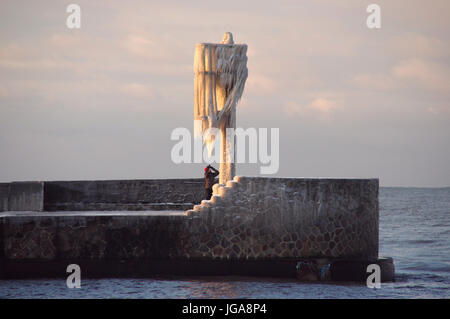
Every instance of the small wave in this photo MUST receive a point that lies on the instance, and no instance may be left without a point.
(420, 241)
(400, 277)
(412, 286)
(425, 277)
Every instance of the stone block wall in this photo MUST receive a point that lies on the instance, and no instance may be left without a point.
(287, 217)
(90, 237)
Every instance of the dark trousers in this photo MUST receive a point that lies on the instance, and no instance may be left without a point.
(208, 193)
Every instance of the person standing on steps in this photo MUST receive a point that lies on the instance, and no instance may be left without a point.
(210, 175)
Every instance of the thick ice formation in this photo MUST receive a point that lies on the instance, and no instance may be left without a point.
(220, 75)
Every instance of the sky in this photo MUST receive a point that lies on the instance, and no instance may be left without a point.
(100, 102)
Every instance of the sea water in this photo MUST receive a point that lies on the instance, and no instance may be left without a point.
(414, 230)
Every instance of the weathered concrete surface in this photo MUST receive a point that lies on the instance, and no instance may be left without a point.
(4, 193)
(140, 195)
(24, 196)
(155, 194)
(94, 213)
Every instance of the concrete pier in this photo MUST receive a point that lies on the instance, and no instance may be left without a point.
(284, 227)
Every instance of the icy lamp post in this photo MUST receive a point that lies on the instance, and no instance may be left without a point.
(220, 74)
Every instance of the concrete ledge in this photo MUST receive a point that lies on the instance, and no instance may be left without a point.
(26, 196)
(139, 195)
(145, 194)
(4, 194)
(341, 270)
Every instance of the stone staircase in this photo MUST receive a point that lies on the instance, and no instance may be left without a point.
(222, 195)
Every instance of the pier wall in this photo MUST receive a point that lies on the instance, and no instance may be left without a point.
(154, 194)
(287, 227)
(250, 218)
(22, 196)
(258, 217)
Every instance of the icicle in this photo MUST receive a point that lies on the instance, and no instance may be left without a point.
(220, 75)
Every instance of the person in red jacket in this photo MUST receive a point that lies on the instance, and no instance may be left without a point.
(210, 175)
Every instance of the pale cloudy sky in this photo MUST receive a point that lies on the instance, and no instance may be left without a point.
(101, 102)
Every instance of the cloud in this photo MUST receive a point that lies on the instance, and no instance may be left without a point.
(138, 90)
(66, 40)
(319, 107)
(408, 73)
(309, 62)
(439, 109)
(84, 69)
(143, 46)
(3, 92)
(375, 81)
(408, 45)
(322, 105)
(154, 46)
(431, 75)
(260, 84)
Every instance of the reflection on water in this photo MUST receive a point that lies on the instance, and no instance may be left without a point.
(212, 289)
(414, 230)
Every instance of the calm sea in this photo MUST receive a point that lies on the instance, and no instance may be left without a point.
(414, 230)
